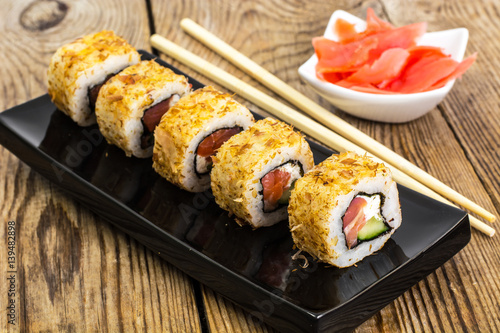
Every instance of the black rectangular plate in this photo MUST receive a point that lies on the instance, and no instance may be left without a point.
(253, 268)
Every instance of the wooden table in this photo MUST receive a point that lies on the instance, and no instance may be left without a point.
(76, 272)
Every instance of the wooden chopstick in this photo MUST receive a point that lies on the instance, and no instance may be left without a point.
(282, 111)
(327, 118)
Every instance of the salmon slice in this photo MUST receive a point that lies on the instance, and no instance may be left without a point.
(274, 183)
(152, 116)
(93, 92)
(354, 220)
(213, 142)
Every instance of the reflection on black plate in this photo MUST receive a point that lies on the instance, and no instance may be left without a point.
(254, 268)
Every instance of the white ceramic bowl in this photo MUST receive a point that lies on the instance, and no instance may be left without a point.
(378, 107)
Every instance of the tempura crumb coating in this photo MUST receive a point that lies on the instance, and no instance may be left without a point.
(124, 98)
(322, 196)
(83, 63)
(244, 159)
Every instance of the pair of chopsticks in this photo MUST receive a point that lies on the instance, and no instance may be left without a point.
(340, 135)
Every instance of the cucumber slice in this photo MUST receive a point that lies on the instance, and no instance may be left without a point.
(286, 194)
(373, 227)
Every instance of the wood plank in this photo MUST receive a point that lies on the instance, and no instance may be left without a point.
(460, 295)
(76, 272)
(225, 316)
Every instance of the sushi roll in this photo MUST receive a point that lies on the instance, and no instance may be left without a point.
(254, 171)
(131, 104)
(78, 69)
(189, 134)
(344, 209)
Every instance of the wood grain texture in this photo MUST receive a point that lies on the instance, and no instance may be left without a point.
(78, 273)
(75, 271)
(457, 142)
(224, 316)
